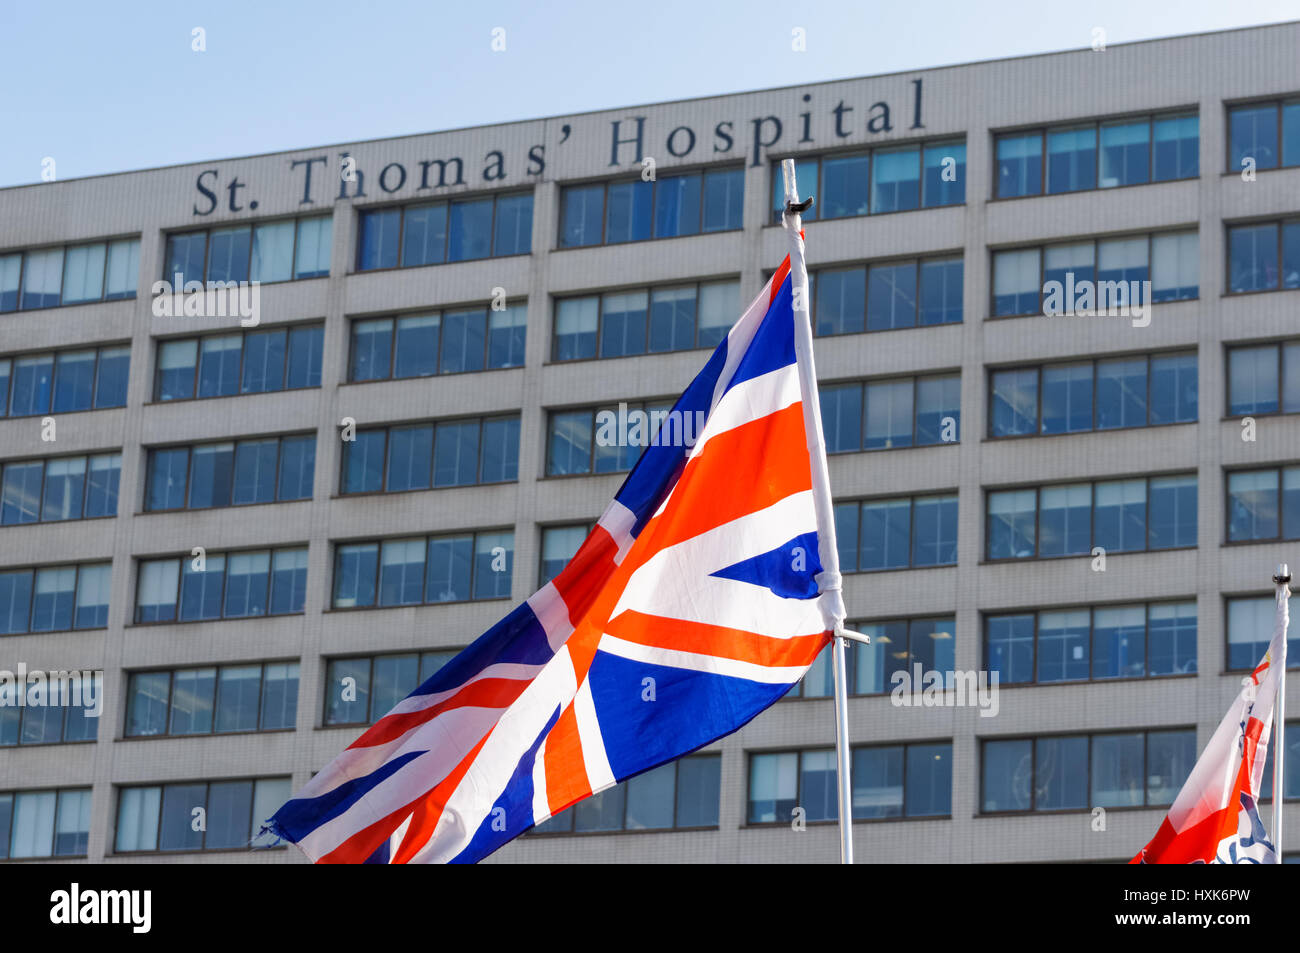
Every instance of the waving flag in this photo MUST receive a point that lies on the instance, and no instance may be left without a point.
(1215, 818)
(693, 605)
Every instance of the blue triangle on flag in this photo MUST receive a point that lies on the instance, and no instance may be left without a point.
(790, 570)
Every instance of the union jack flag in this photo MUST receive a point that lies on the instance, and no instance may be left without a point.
(702, 576)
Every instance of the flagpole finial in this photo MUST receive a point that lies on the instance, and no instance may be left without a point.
(1283, 575)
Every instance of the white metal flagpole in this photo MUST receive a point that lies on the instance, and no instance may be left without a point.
(828, 580)
(1278, 742)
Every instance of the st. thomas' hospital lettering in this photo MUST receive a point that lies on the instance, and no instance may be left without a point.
(628, 144)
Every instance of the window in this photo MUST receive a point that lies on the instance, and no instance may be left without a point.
(437, 232)
(1095, 277)
(1250, 629)
(54, 598)
(1264, 135)
(913, 780)
(633, 211)
(443, 342)
(159, 817)
(888, 414)
(885, 296)
(1291, 764)
(265, 252)
(583, 441)
(1077, 772)
(54, 823)
(1264, 504)
(559, 545)
(1117, 515)
(64, 381)
(892, 179)
(262, 696)
(436, 454)
(253, 362)
(679, 795)
(424, 570)
(69, 711)
(1095, 155)
(221, 585)
(1264, 379)
(896, 645)
(361, 690)
(75, 274)
(1263, 257)
(263, 470)
(63, 488)
(1138, 391)
(897, 533)
(644, 321)
(1127, 641)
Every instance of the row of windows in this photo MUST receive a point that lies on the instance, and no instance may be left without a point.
(1264, 504)
(889, 414)
(274, 251)
(212, 699)
(362, 689)
(252, 362)
(1116, 515)
(873, 535)
(893, 179)
(1126, 641)
(161, 817)
(72, 274)
(644, 321)
(608, 213)
(222, 586)
(54, 598)
(443, 342)
(424, 570)
(238, 473)
(1264, 257)
(1096, 274)
(1137, 391)
(679, 795)
(896, 645)
(62, 488)
(913, 780)
(1018, 775)
(62, 717)
(64, 381)
(436, 232)
(420, 456)
(1092, 155)
(1267, 133)
(886, 296)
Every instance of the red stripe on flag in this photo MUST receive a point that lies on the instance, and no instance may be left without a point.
(683, 635)
(778, 279)
(484, 693)
(566, 769)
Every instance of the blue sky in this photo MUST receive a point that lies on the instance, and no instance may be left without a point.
(106, 87)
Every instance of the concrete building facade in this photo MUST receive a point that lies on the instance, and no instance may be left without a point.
(1125, 163)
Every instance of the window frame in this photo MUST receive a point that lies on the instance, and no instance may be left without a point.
(1278, 103)
(425, 538)
(7, 394)
(1033, 740)
(111, 849)
(171, 673)
(1096, 123)
(252, 226)
(1092, 516)
(675, 173)
(225, 554)
(387, 429)
(244, 334)
(395, 317)
(1148, 356)
(987, 615)
(1279, 226)
(911, 529)
(235, 443)
(446, 201)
